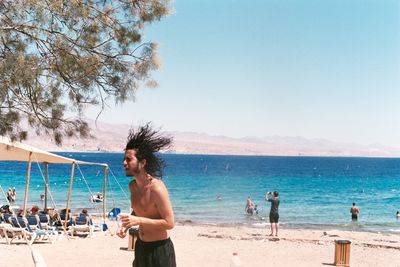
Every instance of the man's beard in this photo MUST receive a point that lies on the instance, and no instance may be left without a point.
(132, 172)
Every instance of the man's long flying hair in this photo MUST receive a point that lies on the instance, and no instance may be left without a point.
(147, 142)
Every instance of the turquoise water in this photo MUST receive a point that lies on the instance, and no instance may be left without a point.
(315, 192)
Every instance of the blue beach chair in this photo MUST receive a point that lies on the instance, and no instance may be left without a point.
(6, 217)
(83, 224)
(45, 221)
(40, 235)
(113, 214)
(19, 230)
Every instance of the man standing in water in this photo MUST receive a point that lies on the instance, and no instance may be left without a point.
(152, 209)
(354, 210)
(274, 212)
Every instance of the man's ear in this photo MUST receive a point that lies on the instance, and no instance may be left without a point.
(142, 163)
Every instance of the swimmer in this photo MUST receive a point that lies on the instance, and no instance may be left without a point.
(354, 210)
(249, 208)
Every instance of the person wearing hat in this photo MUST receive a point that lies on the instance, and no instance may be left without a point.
(34, 210)
(85, 213)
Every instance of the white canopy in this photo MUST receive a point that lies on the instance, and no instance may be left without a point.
(16, 151)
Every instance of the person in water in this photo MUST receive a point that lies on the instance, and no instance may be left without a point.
(11, 195)
(249, 208)
(354, 210)
(255, 209)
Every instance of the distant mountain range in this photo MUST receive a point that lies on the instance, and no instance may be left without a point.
(112, 138)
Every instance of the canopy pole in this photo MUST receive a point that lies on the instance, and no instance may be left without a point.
(46, 186)
(28, 177)
(5, 197)
(69, 195)
(104, 194)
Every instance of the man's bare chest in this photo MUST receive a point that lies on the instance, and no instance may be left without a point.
(143, 204)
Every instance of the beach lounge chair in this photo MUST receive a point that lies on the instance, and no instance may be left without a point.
(3, 231)
(40, 235)
(34, 222)
(49, 234)
(63, 218)
(4, 225)
(59, 220)
(45, 222)
(5, 217)
(17, 231)
(83, 225)
(113, 214)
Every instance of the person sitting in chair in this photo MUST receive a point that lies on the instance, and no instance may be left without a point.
(85, 214)
(34, 210)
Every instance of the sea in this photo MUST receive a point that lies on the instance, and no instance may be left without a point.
(315, 192)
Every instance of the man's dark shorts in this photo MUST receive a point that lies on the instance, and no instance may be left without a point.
(273, 217)
(354, 217)
(154, 254)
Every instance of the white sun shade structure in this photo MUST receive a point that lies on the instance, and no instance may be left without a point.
(16, 151)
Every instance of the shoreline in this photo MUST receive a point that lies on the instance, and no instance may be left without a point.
(198, 246)
(288, 226)
(291, 226)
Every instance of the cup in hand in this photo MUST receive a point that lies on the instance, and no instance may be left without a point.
(119, 217)
(123, 215)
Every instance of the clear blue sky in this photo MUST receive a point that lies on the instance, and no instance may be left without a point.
(317, 69)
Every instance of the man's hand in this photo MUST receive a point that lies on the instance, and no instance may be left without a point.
(129, 220)
(121, 232)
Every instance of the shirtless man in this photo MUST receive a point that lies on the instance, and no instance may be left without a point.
(354, 210)
(152, 209)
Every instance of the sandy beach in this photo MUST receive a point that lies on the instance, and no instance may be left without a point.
(199, 245)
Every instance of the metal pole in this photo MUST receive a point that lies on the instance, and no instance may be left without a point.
(4, 194)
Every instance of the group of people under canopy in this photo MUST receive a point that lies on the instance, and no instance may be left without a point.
(15, 151)
(56, 217)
